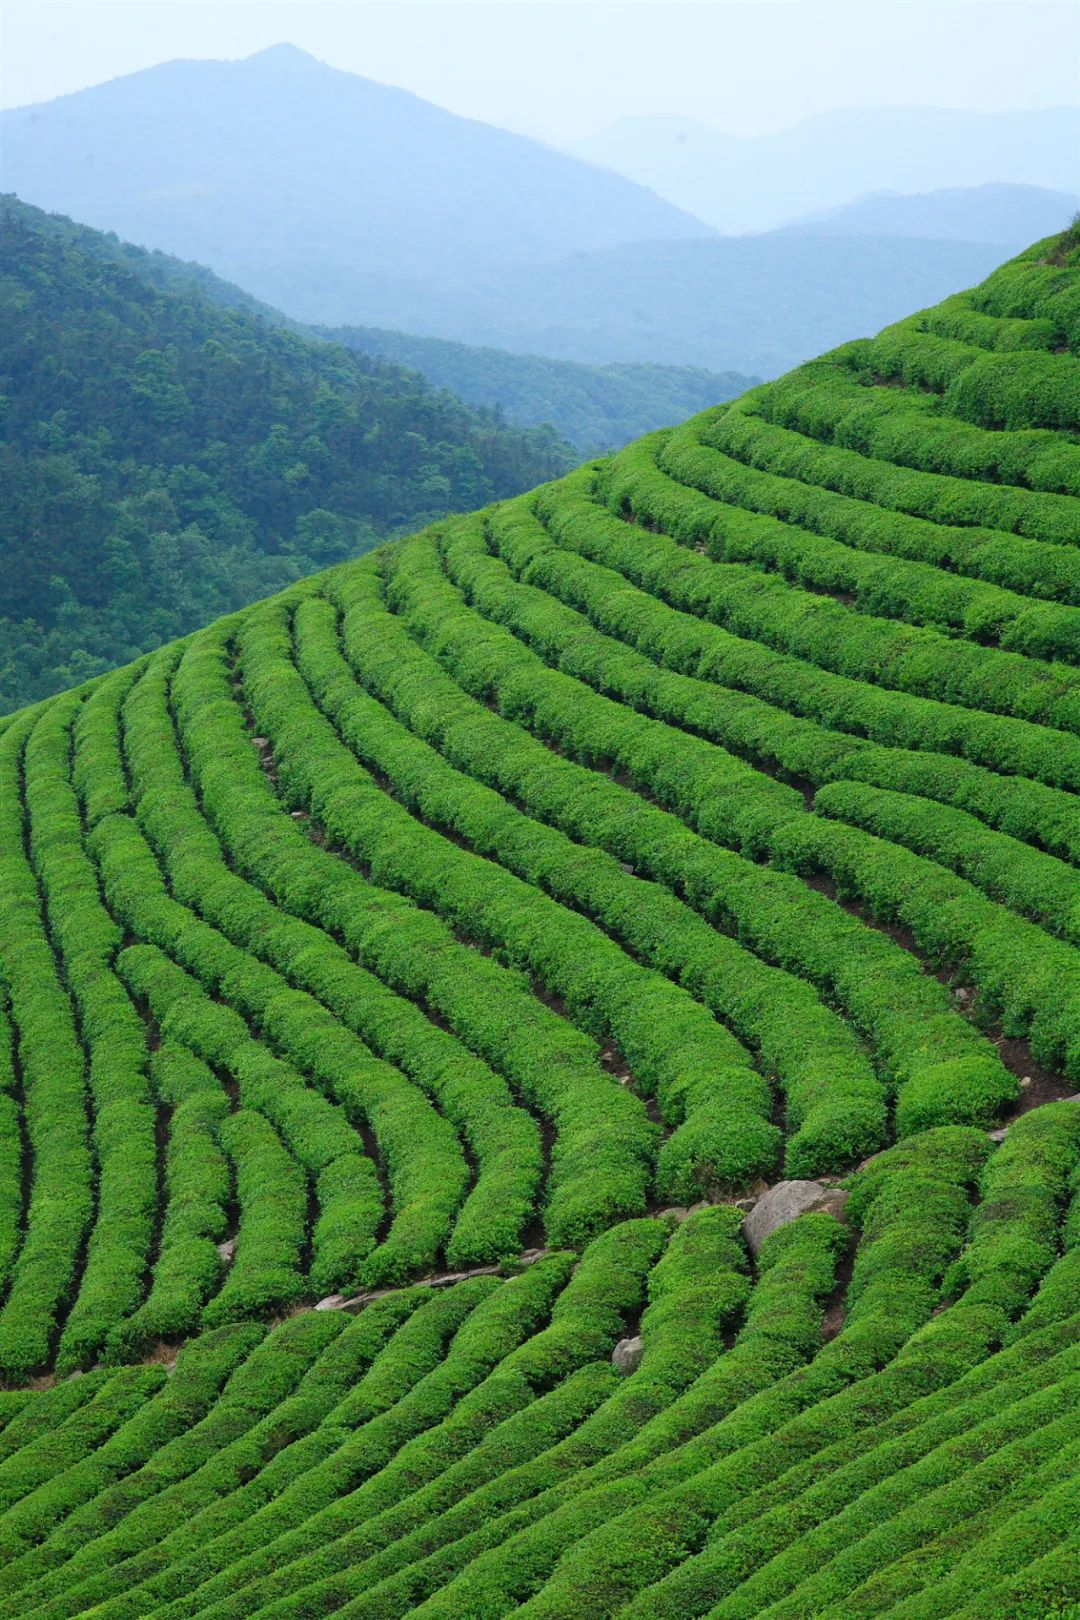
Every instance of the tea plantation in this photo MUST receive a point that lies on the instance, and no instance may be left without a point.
(461, 942)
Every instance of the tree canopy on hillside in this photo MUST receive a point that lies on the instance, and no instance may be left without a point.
(167, 460)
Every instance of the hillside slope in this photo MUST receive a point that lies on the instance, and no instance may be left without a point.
(703, 818)
(305, 184)
(166, 460)
(595, 407)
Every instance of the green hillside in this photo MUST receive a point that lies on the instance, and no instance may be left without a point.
(594, 408)
(465, 938)
(166, 460)
(597, 408)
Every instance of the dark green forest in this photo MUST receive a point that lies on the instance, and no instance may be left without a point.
(595, 407)
(166, 460)
(598, 408)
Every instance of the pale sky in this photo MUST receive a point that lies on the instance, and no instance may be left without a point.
(560, 69)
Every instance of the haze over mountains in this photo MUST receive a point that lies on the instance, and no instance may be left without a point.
(756, 304)
(753, 185)
(344, 202)
(305, 184)
(991, 213)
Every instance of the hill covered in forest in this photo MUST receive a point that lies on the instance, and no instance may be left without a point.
(167, 459)
(596, 407)
(538, 1067)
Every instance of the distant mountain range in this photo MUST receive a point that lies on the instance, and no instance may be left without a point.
(1012, 216)
(304, 184)
(349, 205)
(755, 304)
(756, 184)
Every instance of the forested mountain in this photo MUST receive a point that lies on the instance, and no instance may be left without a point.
(166, 459)
(538, 1067)
(755, 183)
(595, 407)
(312, 187)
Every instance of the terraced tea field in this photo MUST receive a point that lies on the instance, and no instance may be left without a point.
(465, 938)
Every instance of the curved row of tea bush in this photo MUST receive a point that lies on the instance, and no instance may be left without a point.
(833, 1103)
(499, 1134)
(682, 580)
(754, 815)
(804, 621)
(470, 935)
(473, 1450)
(978, 936)
(51, 1216)
(881, 987)
(983, 529)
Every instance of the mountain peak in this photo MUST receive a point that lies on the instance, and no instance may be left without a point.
(286, 171)
(283, 55)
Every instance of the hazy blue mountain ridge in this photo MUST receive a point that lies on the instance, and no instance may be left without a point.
(753, 304)
(757, 183)
(1011, 215)
(300, 181)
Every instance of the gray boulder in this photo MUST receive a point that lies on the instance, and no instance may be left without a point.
(786, 1202)
(627, 1354)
